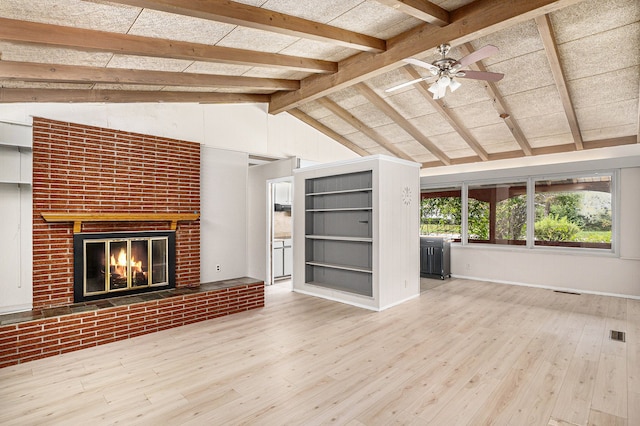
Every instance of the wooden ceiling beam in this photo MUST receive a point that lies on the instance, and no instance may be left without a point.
(327, 131)
(248, 16)
(477, 19)
(551, 48)
(445, 113)
(30, 71)
(388, 110)
(124, 96)
(91, 40)
(354, 122)
(499, 103)
(420, 9)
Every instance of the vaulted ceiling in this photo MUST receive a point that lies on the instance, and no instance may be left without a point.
(571, 67)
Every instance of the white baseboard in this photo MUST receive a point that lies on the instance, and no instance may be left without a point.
(547, 287)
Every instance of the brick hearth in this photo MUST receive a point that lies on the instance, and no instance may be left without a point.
(42, 333)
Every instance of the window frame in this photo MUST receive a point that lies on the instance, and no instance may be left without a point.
(530, 181)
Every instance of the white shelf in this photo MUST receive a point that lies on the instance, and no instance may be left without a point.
(342, 267)
(337, 238)
(342, 209)
(344, 191)
(15, 145)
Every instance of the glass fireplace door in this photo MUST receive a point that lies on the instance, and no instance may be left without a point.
(115, 265)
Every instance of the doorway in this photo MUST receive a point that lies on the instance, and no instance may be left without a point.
(280, 218)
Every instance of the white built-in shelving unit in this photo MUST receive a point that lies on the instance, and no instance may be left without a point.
(353, 251)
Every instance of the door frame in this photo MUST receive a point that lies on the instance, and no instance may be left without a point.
(270, 188)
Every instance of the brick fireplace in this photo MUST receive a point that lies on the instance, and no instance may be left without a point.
(106, 184)
(84, 169)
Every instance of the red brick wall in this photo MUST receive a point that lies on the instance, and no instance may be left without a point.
(42, 338)
(78, 168)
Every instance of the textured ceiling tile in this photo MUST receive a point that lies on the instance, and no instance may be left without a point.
(337, 125)
(609, 132)
(362, 140)
(477, 114)
(348, 98)
(532, 103)
(393, 133)
(615, 49)
(426, 158)
(544, 125)
(593, 16)
(412, 148)
(610, 115)
(451, 4)
(314, 110)
(431, 124)
(493, 134)
(410, 104)
(153, 23)
(149, 63)
(262, 72)
(495, 148)
(252, 39)
(450, 142)
(522, 73)
(614, 86)
(72, 13)
(378, 150)
(374, 19)
(370, 115)
(217, 68)
(513, 41)
(52, 55)
(552, 140)
(320, 11)
(317, 50)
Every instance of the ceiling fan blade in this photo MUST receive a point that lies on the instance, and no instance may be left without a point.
(480, 75)
(408, 83)
(483, 52)
(434, 70)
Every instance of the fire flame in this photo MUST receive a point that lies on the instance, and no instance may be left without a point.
(120, 265)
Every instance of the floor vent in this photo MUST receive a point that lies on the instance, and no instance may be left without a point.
(617, 335)
(566, 292)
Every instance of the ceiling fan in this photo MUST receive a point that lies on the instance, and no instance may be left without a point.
(446, 70)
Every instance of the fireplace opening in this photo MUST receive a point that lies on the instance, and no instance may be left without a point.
(114, 264)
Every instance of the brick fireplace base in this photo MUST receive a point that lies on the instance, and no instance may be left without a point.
(43, 333)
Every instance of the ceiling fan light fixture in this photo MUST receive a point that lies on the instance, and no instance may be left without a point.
(444, 81)
(454, 85)
(434, 88)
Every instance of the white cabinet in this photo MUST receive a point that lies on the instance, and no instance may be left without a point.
(359, 231)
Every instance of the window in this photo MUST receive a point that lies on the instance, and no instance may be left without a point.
(573, 212)
(441, 213)
(569, 211)
(497, 213)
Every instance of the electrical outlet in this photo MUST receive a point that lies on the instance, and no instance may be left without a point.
(217, 268)
(468, 266)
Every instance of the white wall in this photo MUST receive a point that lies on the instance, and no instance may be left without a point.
(237, 127)
(257, 213)
(16, 284)
(574, 270)
(223, 220)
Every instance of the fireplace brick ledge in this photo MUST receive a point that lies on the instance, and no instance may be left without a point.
(41, 333)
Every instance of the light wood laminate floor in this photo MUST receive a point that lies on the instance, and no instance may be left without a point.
(465, 352)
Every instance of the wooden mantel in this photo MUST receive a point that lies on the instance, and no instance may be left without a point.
(78, 218)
